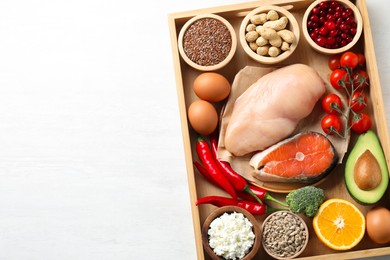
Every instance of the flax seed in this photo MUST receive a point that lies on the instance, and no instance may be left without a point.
(207, 42)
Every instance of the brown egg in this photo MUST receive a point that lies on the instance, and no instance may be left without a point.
(211, 86)
(203, 117)
(378, 225)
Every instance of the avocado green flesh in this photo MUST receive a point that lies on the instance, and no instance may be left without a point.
(367, 141)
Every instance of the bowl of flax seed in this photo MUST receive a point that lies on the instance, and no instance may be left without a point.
(207, 42)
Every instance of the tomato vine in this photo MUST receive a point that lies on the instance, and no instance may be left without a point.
(348, 75)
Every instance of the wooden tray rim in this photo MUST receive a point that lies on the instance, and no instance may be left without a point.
(378, 106)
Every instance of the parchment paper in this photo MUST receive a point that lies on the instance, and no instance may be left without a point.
(242, 81)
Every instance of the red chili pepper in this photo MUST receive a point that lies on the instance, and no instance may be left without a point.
(217, 201)
(204, 172)
(251, 206)
(259, 192)
(238, 182)
(204, 154)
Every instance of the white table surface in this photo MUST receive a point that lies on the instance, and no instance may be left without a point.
(91, 154)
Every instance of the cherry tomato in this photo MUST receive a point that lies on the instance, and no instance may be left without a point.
(361, 59)
(337, 76)
(349, 59)
(360, 80)
(360, 123)
(331, 124)
(358, 101)
(331, 104)
(334, 62)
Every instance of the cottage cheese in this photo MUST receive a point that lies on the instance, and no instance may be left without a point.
(231, 235)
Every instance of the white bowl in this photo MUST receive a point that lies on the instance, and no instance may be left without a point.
(230, 209)
(264, 233)
(212, 67)
(314, 45)
(291, 26)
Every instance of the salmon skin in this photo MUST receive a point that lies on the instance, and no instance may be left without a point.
(306, 158)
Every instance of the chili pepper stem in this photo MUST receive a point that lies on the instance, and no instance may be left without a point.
(267, 196)
(248, 190)
(271, 210)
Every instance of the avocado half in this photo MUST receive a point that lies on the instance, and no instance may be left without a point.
(367, 141)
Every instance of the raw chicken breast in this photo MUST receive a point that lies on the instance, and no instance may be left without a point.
(270, 109)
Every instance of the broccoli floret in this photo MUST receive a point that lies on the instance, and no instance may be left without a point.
(307, 199)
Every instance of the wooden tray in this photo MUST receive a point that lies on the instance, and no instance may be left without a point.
(334, 184)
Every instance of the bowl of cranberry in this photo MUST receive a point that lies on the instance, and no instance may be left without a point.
(332, 27)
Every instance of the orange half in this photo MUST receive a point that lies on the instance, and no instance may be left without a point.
(339, 224)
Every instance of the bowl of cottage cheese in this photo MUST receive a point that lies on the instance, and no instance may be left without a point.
(231, 232)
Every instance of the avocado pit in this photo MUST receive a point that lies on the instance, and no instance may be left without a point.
(367, 172)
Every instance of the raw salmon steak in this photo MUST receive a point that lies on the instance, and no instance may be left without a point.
(305, 157)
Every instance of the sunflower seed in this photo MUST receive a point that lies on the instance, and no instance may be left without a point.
(284, 234)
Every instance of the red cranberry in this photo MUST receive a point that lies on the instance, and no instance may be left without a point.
(323, 5)
(331, 25)
(321, 41)
(314, 18)
(339, 8)
(329, 17)
(349, 20)
(333, 33)
(331, 11)
(348, 11)
(310, 24)
(331, 41)
(324, 31)
(343, 27)
(334, 4)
